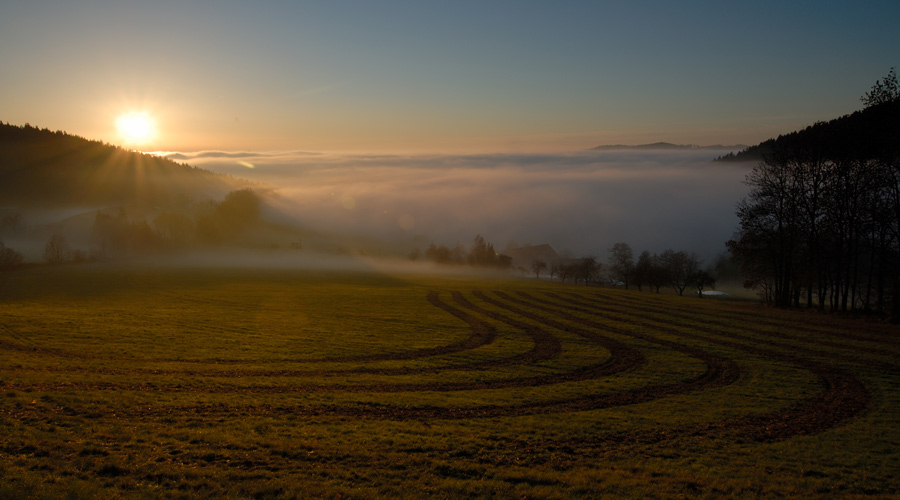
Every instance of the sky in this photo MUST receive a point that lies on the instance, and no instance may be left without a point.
(417, 121)
(448, 77)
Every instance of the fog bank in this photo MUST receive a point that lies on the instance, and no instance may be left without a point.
(583, 202)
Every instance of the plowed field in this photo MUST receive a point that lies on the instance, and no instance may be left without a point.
(160, 383)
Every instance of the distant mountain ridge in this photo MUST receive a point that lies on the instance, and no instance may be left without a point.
(42, 168)
(664, 146)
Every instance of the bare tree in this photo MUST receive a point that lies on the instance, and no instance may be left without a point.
(588, 269)
(771, 236)
(621, 263)
(702, 279)
(681, 266)
(537, 266)
(657, 273)
(642, 270)
(9, 258)
(57, 250)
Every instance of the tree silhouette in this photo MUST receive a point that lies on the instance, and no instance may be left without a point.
(57, 250)
(884, 91)
(681, 267)
(821, 223)
(621, 262)
(482, 253)
(702, 279)
(9, 258)
(537, 266)
(588, 270)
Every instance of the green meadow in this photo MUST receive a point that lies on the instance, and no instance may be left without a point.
(148, 382)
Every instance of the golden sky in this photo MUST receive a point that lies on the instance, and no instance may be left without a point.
(511, 76)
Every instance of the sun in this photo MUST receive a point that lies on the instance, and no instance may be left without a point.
(136, 128)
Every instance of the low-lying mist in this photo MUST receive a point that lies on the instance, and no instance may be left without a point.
(581, 202)
(287, 259)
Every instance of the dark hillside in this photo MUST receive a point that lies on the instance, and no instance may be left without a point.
(872, 133)
(42, 168)
(750, 154)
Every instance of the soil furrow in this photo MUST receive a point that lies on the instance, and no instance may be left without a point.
(875, 332)
(780, 345)
(482, 334)
(546, 347)
(843, 396)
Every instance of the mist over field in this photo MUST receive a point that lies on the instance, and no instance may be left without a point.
(581, 202)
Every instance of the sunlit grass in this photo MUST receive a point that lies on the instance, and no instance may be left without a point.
(157, 383)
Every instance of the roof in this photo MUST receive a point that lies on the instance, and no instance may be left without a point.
(524, 256)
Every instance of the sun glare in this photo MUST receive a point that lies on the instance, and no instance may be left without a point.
(136, 128)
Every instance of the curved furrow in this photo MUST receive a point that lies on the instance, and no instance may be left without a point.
(623, 357)
(546, 347)
(482, 334)
(882, 336)
(781, 335)
(843, 396)
(720, 371)
(705, 318)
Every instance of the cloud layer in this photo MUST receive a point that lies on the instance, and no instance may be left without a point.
(583, 202)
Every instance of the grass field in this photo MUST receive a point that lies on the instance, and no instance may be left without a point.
(271, 384)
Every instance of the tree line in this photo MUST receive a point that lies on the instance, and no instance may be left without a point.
(481, 254)
(679, 269)
(819, 227)
(118, 234)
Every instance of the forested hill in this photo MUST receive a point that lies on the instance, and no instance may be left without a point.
(868, 134)
(42, 168)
